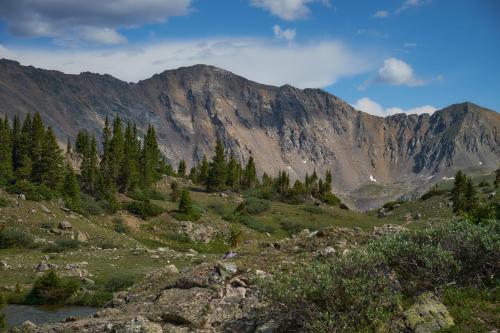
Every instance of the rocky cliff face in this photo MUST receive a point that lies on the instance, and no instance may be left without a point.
(373, 159)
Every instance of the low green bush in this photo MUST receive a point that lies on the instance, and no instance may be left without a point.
(48, 224)
(51, 289)
(98, 298)
(63, 245)
(313, 209)
(15, 238)
(90, 207)
(3, 322)
(120, 282)
(292, 227)
(144, 209)
(254, 205)
(362, 290)
(255, 224)
(120, 226)
(4, 202)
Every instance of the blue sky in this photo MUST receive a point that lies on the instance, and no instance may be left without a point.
(383, 57)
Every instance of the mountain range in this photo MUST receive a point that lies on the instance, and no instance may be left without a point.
(373, 159)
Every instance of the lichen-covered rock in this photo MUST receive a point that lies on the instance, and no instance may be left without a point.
(137, 325)
(427, 315)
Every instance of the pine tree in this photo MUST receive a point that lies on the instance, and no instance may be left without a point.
(328, 181)
(51, 163)
(90, 169)
(458, 193)
(69, 150)
(129, 171)
(151, 159)
(71, 189)
(6, 170)
(217, 173)
(185, 204)
(174, 191)
(23, 158)
(250, 174)
(193, 173)
(106, 166)
(470, 197)
(181, 170)
(117, 152)
(203, 171)
(82, 142)
(37, 140)
(234, 173)
(16, 141)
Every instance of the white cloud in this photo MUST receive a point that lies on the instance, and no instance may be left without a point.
(286, 34)
(288, 9)
(367, 105)
(407, 4)
(93, 21)
(313, 65)
(381, 14)
(395, 72)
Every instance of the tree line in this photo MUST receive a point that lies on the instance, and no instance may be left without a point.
(226, 172)
(32, 163)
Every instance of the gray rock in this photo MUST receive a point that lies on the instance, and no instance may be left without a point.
(65, 225)
(4, 266)
(326, 252)
(138, 325)
(184, 306)
(427, 315)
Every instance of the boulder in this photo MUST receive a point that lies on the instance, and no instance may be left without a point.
(137, 325)
(43, 266)
(326, 252)
(65, 225)
(82, 237)
(4, 266)
(45, 209)
(427, 315)
(387, 229)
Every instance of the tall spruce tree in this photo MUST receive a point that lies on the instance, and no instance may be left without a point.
(185, 203)
(250, 179)
(234, 173)
(458, 193)
(151, 159)
(16, 141)
(497, 178)
(6, 170)
(129, 174)
(24, 167)
(217, 172)
(37, 142)
(71, 189)
(181, 169)
(202, 174)
(117, 152)
(51, 163)
(90, 168)
(470, 197)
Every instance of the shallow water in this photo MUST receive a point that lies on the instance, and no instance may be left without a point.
(40, 314)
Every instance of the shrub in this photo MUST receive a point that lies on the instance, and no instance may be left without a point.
(434, 191)
(292, 227)
(4, 202)
(51, 289)
(63, 245)
(484, 183)
(98, 298)
(120, 226)
(331, 199)
(362, 290)
(254, 205)
(144, 209)
(48, 224)
(120, 282)
(3, 322)
(313, 209)
(90, 207)
(255, 224)
(15, 238)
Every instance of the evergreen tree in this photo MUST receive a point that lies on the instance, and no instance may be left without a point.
(174, 191)
(458, 193)
(90, 169)
(51, 163)
(234, 173)
(129, 174)
(181, 170)
(193, 173)
(185, 204)
(298, 188)
(16, 141)
(203, 171)
(71, 189)
(37, 141)
(106, 166)
(69, 150)
(151, 159)
(328, 182)
(82, 142)
(217, 173)
(250, 174)
(117, 152)
(6, 171)
(470, 197)
(23, 158)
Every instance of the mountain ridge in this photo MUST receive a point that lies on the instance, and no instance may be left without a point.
(298, 130)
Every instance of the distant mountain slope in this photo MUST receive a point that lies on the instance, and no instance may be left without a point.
(373, 159)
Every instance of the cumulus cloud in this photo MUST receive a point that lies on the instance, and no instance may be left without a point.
(286, 34)
(395, 72)
(313, 65)
(368, 105)
(93, 21)
(381, 14)
(288, 9)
